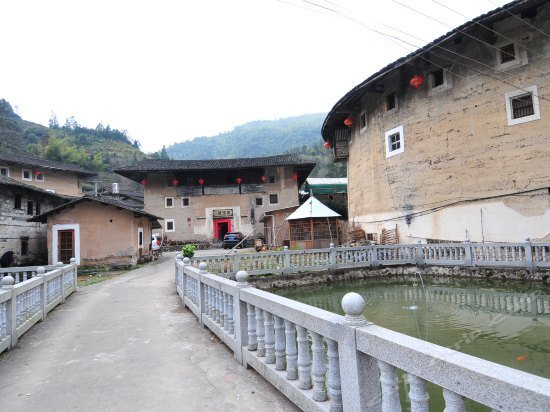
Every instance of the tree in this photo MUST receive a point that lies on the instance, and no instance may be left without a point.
(53, 122)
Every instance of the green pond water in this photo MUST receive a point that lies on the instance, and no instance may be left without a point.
(503, 322)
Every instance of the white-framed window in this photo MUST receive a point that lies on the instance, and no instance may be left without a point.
(26, 174)
(4, 171)
(508, 54)
(363, 121)
(273, 198)
(170, 225)
(168, 202)
(184, 202)
(39, 177)
(395, 141)
(522, 105)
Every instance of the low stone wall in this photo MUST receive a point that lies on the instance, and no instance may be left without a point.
(328, 276)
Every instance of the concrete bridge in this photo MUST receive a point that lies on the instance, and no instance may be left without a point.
(129, 345)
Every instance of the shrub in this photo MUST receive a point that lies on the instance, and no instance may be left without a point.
(188, 250)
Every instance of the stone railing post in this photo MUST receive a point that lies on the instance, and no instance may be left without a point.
(287, 269)
(332, 252)
(200, 292)
(468, 250)
(179, 258)
(41, 273)
(186, 263)
(11, 314)
(360, 375)
(240, 316)
(529, 255)
(373, 255)
(75, 273)
(420, 252)
(236, 262)
(62, 277)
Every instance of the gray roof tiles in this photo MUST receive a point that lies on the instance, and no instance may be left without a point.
(30, 160)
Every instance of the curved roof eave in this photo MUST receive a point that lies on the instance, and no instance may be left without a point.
(351, 97)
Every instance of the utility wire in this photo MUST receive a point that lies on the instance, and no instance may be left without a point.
(491, 30)
(521, 20)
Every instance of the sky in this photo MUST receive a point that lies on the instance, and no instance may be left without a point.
(171, 70)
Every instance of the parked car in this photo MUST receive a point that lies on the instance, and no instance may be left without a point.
(232, 239)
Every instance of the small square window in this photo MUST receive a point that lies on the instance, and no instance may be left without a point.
(17, 202)
(259, 201)
(438, 78)
(39, 176)
(395, 142)
(362, 120)
(26, 175)
(522, 105)
(507, 53)
(37, 209)
(30, 208)
(184, 201)
(273, 199)
(391, 102)
(170, 225)
(4, 171)
(271, 179)
(168, 202)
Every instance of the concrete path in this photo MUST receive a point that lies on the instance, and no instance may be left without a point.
(127, 344)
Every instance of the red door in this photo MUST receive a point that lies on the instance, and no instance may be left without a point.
(221, 227)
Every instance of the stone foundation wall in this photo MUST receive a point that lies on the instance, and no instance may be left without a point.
(328, 276)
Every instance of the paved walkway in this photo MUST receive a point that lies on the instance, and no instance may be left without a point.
(127, 344)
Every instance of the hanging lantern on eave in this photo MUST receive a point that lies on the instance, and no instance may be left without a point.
(143, 182)
(201, 181)
(264, 179)
(348, 121)
(417, 81)
(239, 180)
(175, 182)
(295, 176)
(327, 145)
(38, 173)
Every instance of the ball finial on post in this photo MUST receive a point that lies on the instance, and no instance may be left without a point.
(242, 278)
(187, 261)
(179, 256)
(60, 264)
(40, 270)
(202, 267)
(354, 305)
(7, 282)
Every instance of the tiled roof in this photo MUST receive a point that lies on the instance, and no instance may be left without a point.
(33, 161)
(220, 164)
(101, 199)
(327, 181)
(8, 181)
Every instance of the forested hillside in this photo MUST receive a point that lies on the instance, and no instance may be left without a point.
(299, 134)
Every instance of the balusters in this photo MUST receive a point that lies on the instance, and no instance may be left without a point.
(291, 352)
(231, 309)
(208, 300)
(418, 394)
(260, 332)
(334, 384)
(390, 388)
(304, 360)
(225, 311)
(280, 359)
(269, 338)
(252, 339)
(453, 401)
(317, 348)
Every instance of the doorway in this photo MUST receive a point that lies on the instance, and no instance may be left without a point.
(221, 227)
(65, 245)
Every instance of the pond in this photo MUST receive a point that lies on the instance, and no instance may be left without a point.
(503, 322)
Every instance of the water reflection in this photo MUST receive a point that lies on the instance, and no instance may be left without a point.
(508, 323)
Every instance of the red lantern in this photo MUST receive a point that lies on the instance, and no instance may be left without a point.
(417, 81)
(295, 176)
(143, 182)
(348, 122)
(38, 173)
(175, 182)
(239, 180)
(327, 145)
(201, 181)
(264, 179)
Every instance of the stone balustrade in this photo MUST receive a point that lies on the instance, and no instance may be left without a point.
(500, 255)
(23, 273)
(326, 362)
(24, 303)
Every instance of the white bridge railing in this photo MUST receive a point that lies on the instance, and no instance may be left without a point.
(326, 362)
(505, 255)
(37, 292)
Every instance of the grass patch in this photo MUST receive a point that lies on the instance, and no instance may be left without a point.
(92, 279)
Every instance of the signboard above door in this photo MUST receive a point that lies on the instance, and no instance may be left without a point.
(222, 213)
